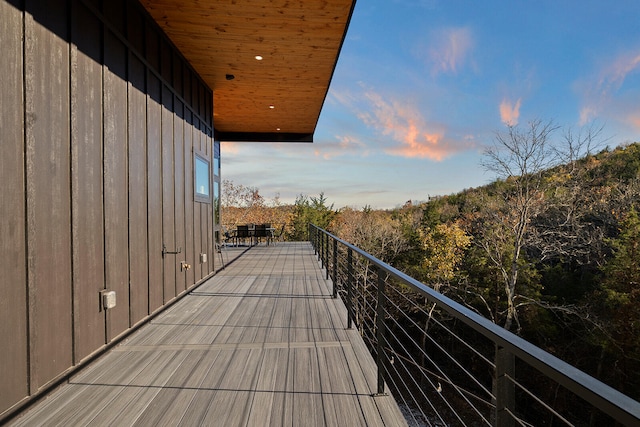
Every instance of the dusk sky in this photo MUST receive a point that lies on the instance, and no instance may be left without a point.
(422, 86)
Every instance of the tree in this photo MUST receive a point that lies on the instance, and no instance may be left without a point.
(444, 247)
(245, 205)
(619, 300)
(373, 231)
(520, 157)
(578, 144)
(310, 210)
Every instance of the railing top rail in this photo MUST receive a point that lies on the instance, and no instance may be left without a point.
(618, 405)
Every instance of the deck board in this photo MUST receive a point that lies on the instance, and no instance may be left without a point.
(261, 343)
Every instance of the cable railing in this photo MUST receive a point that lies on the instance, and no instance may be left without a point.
(448, 366)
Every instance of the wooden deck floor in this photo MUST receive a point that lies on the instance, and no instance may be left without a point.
(261, 343)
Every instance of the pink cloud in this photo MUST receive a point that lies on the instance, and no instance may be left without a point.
(406, 126)
(599, 92)
(421, 145)
(509, 113)
(230, 147)
(634, 119)
(450, 49)
(614, 75)
(587, 114)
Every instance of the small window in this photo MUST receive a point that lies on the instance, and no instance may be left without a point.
(202, 178)
(216, 201)
(216, 158)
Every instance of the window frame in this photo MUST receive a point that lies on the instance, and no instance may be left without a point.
(201, 197)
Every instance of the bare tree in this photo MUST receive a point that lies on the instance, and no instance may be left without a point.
(519, 156)
(578, 144)
(579, 207)
(242, 204)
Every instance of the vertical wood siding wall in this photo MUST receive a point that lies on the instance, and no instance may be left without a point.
(99, 119)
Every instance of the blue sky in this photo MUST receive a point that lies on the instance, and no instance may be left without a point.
(422, 86)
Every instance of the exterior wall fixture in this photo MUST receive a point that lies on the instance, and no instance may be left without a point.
(107, 299)
(166, 252)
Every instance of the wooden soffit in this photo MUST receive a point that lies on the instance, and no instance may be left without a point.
(278, 98)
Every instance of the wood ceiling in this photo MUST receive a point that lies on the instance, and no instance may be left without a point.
(278, 98)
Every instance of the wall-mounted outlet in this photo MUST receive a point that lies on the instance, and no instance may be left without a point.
(108, 299)
(203, 258)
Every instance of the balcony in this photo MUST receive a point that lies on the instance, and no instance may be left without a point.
(325, 334)
(261, 343)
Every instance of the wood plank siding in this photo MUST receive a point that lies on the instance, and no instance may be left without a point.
(262, 343)
(48, 164)
(99, 116)
(14, 369)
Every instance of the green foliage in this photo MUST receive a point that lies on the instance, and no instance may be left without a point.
(621, 280)
(578, 292)
(566, 283)
(619, 165)
(310, 210)
(617, 303)
(444, 246)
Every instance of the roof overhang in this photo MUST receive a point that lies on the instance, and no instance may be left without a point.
(277, 98)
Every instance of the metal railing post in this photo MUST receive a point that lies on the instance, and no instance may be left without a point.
(380, 333)
(335, 268)
(504, 388)
(349, 288)
(321, 247)
(312, 237)
(326, 255)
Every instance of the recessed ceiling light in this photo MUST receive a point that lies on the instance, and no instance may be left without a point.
(277, 128)
(259, 58)
(272, 106)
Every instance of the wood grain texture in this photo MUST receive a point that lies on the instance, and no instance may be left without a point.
(48, 173)
(261, 343)
(189, 251)
(116, 187)
(138, 256)
(299, 41)
(154, 192)
(170, 261)
(87, 183)
(179, 185)
(13, 287)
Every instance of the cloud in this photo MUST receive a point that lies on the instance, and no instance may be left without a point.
(449, 49)
(395, 126)
(407, 127)
(633, 119)
(342, 146)
(230, 147)
(587, 114)
(614, 75)
(510, 113)
(600, 91)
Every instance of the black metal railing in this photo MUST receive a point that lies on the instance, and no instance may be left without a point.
(447, 365)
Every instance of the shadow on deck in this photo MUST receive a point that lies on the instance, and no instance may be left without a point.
(261, 343)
